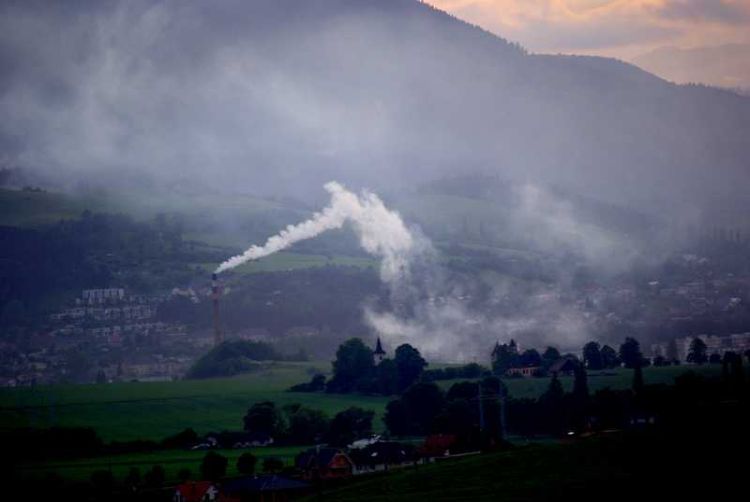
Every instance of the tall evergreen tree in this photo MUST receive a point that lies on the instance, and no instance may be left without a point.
(592, 356)
(609, 357)
(638, 378)
(630, 353)
(697, 352)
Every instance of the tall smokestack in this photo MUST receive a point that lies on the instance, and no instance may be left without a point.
(218, 336)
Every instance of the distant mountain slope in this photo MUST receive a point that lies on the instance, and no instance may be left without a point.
(722, 66)
(278, 96)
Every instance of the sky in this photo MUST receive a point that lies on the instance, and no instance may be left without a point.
(623, 29)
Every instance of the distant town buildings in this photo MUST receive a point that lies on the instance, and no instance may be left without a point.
(739, 343)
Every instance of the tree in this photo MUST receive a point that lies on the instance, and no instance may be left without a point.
(714, 358)
(504, 357)
(101, 377)
(551, 408)
(531, 358)
(213, 466)
(316, 384)
(554, 392)
(415, 411)
(580, 383)
(264, 418)
(155, 477)
(387, 377)
(609, 357)
(272, 464)
(697, 352)
(671, 352)
(397, 418)
(579, 398)
(133, 479)
(104, 483)
(183, 439)
(549, 357)
(246, 463)
(660, 361)
(349, 425)
(409, 364)
(306, 425)
(736, 373)
(638, 378)
(184, 474)
(630, 352)
(354, 362)
(424, 401)
(592, 356)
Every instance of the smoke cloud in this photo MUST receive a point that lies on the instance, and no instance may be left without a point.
(381, 231)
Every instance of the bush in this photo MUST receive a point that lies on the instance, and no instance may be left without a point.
(272, 464)
(231, 358)
(155, 477)
(246, 463)
(214, 466)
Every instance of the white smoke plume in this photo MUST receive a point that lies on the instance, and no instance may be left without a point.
(381, 231)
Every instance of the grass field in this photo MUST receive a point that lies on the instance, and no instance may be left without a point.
(620, 378)
(127, 411)
(154, 410)
(171, 460)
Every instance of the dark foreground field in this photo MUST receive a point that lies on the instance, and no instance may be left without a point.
(621, 466)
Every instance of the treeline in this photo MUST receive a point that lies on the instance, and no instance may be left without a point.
(354, 370)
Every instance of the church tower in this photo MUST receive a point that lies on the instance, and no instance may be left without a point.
(379, 352)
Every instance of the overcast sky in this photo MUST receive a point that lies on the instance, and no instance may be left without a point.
(618, 28)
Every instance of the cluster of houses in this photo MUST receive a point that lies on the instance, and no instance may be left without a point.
(100, 322)
(108, 314)
(738, 343)
(321, 464)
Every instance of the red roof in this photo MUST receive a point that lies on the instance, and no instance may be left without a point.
(193, 491)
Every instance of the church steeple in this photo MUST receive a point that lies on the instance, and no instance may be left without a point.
(379, 352)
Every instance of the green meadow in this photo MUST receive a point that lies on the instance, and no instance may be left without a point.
(154, 410)
(171, 460)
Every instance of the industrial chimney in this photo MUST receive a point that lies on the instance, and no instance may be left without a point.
(215, 293)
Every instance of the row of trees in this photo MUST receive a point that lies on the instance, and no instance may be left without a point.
(598, 357)
(354, 370)
(297, 424)
(595, 357)
(469, 410)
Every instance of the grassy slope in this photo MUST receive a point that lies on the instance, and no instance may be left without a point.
(154, 410)
(537, 472)
(29, 209)
(285, 261)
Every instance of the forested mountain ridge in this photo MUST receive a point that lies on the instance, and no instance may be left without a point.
(276, 97)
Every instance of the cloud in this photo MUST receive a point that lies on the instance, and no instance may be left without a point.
(721, 11)
(620, 28)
